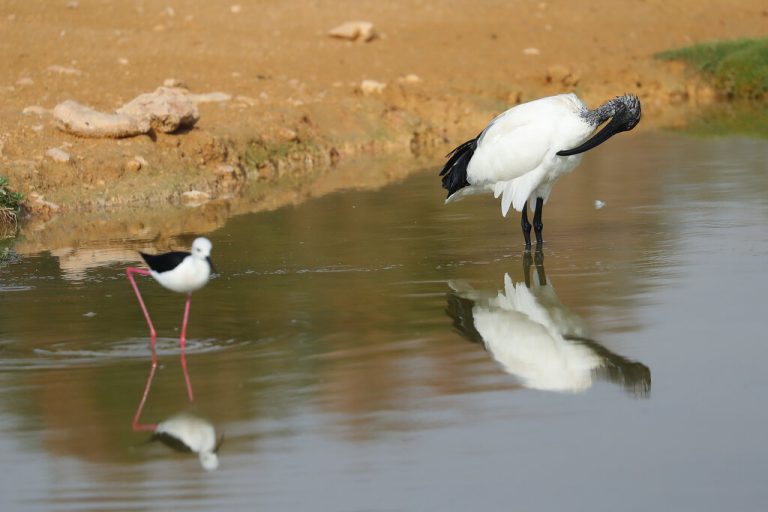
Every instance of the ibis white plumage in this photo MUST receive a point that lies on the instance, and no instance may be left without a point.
(523, 151)
(181, 272)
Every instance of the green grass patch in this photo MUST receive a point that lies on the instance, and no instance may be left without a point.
(10, 204)
(737, 69)
(728, 119)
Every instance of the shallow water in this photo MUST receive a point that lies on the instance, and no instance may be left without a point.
(381, 351)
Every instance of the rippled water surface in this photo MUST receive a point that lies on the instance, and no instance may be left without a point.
(381, 351)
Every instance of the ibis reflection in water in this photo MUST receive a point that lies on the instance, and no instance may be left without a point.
(523, 151)
(534, 337)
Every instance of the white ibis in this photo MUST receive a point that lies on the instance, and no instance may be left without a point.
(187, 433)
(534, 337)
(523, 151)
(181, 272)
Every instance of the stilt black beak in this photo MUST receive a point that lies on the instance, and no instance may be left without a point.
(213, 269)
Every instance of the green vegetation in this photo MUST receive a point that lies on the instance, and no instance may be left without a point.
(10, 204)
(738, 118)
(738, 69)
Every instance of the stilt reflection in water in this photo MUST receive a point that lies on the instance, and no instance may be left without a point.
(534, 337)
(182, 432)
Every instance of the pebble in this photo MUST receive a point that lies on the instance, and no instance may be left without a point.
(25, 81)
(561, 74)
(210, 97)
(235, 9)
(194, 197)
(531, 51)
(369, 87)
(64, 70)
(411, 79)
(174, 82)
(247, 100)
(58, 155)
(34, 110)
(354, 31)
(135, 164)
(599, 204)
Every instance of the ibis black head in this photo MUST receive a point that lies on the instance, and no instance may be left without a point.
(624, 112)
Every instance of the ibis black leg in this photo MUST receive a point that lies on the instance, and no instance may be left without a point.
(538, 225)
(539, 261)
(526, 225)
(527, 260)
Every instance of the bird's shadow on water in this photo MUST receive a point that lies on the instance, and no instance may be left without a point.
(533, 336)
(183, 432)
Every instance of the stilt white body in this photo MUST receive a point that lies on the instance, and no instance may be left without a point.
(197, 434)
(190, 275)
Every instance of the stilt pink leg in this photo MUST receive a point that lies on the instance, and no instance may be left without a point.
(187, 380)
(153, 334)
(135, 425)
(183, 339)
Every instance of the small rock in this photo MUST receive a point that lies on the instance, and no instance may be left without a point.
(194, 198)
(63, 70)
(247, 100)
(73, 4)
(531, 51)
(224, 170)
(235, 9)
(89, 314)
(598, 204)
(122, 61)
(38, 202)
(78, 119)
(560, 74)
(11, 17)
(354, 31)
(25, 81)
(58, 155)
(34, 110)
(166, 109)
(410, 79)
(133, 165)
(210, 97)
(369, 87)
(286, 134)
(174, 82)
(38, 128)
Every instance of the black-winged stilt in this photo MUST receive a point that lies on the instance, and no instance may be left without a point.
(181, 272)
(534, 337)
(523, 151)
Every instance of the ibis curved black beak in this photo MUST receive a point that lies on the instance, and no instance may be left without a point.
(210, 263)
(609, 130)
(626, 117)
